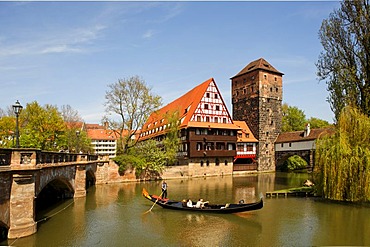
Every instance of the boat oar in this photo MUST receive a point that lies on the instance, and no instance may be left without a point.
(154, 203)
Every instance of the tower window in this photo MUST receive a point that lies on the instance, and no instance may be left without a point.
(206, 106)
(207, 95)
(217, 107)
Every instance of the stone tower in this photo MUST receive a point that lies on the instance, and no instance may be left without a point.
(257, 92)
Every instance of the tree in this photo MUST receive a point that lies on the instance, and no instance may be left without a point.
(7, 127)
(317, 123)
(294, 162)
(345, 62)
(294, 119)
(42, 127)
(76, 139)
(171, 141)
(132, 100)
(342, 160)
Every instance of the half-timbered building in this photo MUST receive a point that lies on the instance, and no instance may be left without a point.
(207, 133)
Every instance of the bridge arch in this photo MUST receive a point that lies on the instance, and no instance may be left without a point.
(90, 178)
(281, 157)
(56, 190)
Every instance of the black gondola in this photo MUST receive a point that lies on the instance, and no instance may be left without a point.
(210, 208)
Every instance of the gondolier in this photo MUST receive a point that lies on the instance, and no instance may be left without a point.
(226, 208)
(164, 189)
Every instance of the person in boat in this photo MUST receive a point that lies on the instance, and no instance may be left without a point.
(189, 203)
(164, 189)
(200, 203)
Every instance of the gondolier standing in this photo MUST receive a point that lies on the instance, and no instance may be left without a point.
(164, 189)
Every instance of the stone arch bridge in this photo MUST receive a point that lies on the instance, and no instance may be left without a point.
(24, 173)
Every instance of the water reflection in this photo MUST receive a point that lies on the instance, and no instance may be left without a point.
(115, 215)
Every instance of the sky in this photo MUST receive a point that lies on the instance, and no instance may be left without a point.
(67, 53)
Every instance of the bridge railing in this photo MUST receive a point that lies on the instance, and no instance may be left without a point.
(27, 156)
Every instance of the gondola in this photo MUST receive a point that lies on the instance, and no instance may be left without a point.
(209, 208)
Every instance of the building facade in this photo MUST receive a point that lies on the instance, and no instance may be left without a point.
(103, 140)
(257, 92)
(207, 133)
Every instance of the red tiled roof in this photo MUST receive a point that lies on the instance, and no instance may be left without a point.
(296, 136)
(185, 106)
(101, 134)
(260, 64)
(245, 130)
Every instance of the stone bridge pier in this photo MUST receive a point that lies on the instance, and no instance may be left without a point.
(24, 173)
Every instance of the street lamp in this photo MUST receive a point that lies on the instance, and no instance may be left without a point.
(17, 108)
(78, 141)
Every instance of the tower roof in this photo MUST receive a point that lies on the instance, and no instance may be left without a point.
(259, 64)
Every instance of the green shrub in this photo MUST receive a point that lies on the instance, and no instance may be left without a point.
(294, 162)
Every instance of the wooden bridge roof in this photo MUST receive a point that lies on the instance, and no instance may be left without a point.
(296, 136)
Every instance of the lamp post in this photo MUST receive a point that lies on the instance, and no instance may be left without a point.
(78, 141)
(17, 108)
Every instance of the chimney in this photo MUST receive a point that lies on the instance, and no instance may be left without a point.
(307, 130)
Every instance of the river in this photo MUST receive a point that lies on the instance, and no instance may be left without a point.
(117, 215)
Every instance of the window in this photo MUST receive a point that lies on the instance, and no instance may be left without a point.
(290, 144)
(240, 147)
(216, 119)
(199, 146)
(282, 145)
(206, 106)
(197, 131)
(207, 95)
(201, 163)
(225, 162)
(249, 147)
(199, 118)
(224, 120)
(220, 146)
(217, 162)
(207, 162)
(247, 135)
(207, 119)
(216, 96)
(230, 146)
(217, 107)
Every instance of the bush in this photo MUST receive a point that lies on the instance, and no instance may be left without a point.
(294, 162)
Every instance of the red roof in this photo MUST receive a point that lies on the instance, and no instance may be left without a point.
(244, 129)
(101, 134)
(296, 136)
(185, 106)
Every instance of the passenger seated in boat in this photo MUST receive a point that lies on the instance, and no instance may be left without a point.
(183, 203)
(189, 203)
(200, 203)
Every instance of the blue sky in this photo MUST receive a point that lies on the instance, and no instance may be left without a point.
(68, 52)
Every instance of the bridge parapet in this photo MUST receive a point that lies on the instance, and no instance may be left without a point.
(28, 158)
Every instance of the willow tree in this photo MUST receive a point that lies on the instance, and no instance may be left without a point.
(342, 161)
(129, 102)
(345, 62)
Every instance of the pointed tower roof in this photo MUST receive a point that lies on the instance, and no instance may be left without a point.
(259, 64)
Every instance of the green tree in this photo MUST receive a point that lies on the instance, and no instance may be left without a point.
(42, 127)
(294, 119)
(171, 141)
(7, 127)
(345, 62)
(132, 101)
(294, 162)
(342, 161)
(317, 123)
(76, 138)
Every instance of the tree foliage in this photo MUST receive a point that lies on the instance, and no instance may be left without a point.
(345, 62)
(132, 101)
(342, 161)
(46, 128)
(294, 119)
(42, 127)
(294, 162)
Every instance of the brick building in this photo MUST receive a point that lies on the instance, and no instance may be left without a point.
(257, 92)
